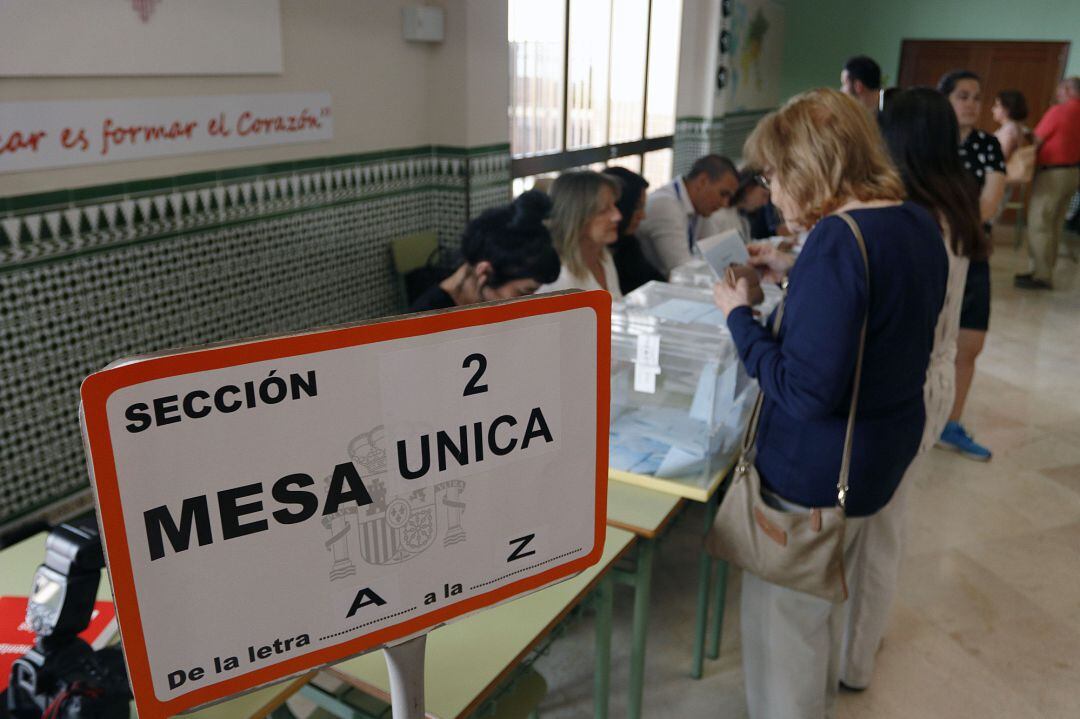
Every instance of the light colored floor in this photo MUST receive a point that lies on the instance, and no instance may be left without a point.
(987, 623)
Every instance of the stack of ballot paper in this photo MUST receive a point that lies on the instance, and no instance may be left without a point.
(685, 418)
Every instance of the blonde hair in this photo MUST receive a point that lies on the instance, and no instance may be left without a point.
(575, 198)
(825, 150)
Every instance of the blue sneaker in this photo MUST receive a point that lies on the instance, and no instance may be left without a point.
(955, 438)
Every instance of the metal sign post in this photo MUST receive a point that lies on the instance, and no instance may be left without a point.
(276, 505)
(405, 663)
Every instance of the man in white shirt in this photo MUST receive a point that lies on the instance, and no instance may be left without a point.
(680, 212)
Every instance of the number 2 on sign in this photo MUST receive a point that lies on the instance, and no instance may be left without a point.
(481, 364)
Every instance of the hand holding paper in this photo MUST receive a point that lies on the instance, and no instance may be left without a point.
(773, 262)
(729, 296)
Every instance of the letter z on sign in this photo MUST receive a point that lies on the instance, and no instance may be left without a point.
(275, 505)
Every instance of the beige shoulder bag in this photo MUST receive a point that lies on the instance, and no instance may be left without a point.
(1021, 166)
(798, 550)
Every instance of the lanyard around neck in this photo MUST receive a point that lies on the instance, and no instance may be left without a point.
(691, 225)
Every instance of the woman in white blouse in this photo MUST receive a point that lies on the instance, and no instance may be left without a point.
(584, 224)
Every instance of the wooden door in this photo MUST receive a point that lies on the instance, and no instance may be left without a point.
(1033, 68)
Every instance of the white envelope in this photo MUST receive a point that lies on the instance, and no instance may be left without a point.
(723, 250)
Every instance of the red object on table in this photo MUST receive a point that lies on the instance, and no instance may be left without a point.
(16, 638)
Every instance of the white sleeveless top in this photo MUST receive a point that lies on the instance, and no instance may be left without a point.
(939, 392)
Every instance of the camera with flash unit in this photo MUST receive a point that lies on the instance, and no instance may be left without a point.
(62, 676)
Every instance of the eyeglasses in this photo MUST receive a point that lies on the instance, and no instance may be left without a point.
(762, 180)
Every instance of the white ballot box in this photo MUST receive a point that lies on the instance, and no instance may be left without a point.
(680, 397)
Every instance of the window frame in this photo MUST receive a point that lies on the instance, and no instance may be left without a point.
(528, 165)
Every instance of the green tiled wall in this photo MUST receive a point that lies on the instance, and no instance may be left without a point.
(697, 136)
(88, 276)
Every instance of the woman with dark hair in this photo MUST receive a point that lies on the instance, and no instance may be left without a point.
(981, 155)
(1009, 111)
(921, 132)
(506, 252)
(630, 263)
(757, 214)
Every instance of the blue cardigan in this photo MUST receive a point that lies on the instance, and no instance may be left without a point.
(807, 372)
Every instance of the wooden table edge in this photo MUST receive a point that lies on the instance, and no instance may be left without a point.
(656, 531)
(512, 664)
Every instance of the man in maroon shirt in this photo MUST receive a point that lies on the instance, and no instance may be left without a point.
(1056, 179)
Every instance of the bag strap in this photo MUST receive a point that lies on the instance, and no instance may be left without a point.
(845, 463)
(750, 436)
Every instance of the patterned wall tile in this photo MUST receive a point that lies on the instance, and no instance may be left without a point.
(695, 136)
(90, 276)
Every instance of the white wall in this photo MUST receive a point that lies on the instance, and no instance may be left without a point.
(387, 93)
(470, 77)
(697, 59)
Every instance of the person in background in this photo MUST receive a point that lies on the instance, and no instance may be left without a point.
(861, 78)
(506, 252)
(822, 154)
(922, 134)
(584, 225)
(680, 212)
(981, 155)
(1009, 111)
(633, 268)
(753, 203)
(1057, 173)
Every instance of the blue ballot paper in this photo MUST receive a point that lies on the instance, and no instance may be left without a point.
(670, 425)
(632, 450)
(703, 407)
(680, 463)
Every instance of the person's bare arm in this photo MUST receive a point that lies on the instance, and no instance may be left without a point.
(990, 197)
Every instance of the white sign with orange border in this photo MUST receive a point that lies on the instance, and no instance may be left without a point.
(276, 505)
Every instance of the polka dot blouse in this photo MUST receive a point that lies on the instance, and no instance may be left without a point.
(981, 154)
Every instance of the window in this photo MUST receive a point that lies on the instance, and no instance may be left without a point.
(592, 84)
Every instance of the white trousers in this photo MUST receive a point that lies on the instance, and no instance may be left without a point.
(792, 641)
(872, 584)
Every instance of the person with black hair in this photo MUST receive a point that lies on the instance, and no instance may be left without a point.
(981, 155)
(1009, 111)
(633, 268)
(861, 78)
(506, 252)
(921, 132)
(752, 201)
(680, 212)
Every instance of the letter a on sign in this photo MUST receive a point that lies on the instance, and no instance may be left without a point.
(294, 533)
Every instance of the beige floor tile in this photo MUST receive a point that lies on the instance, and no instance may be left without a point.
(993, 620)
(1042, 566)
(922, 672)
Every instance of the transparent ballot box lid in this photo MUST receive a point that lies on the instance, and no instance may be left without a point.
(679, 395)
(696, 273)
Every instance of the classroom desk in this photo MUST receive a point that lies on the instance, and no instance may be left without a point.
(468, 659)
(705, 491)
(17, 567)
(646, 513)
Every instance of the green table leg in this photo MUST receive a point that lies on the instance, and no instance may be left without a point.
(642, 590)
(720, 587)
(704, 579)
(602, 681)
